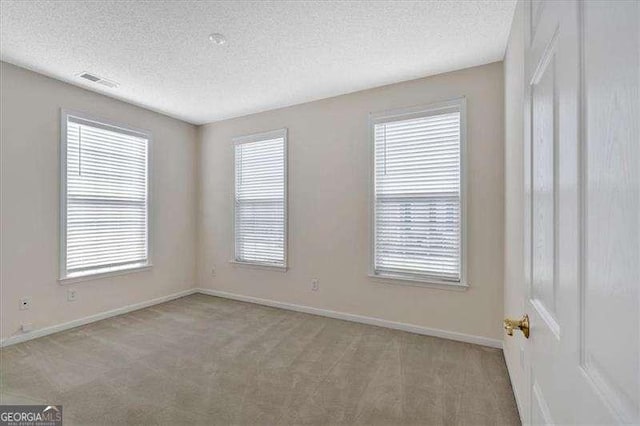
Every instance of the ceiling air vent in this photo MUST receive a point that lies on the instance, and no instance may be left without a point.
(99, 80)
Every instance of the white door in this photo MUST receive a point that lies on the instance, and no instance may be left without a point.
(582, 211)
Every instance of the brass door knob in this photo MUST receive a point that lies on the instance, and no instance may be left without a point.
(521, 324)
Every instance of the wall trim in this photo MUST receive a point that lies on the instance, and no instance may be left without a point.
(434, 332)
(411, 328)
(19, 338)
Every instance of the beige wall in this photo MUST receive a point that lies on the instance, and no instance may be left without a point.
(328, 207)
(514, 194)
(30, 117)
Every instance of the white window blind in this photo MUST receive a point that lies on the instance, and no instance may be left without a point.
(260, 198)
(418, 194)
(105, 198)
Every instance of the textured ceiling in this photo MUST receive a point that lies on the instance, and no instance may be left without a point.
(278, 53)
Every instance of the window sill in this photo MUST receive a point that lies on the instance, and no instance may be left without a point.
(96, 276)
(260, 266)
(419, 282)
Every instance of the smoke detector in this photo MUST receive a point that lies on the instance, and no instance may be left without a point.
(99, 80)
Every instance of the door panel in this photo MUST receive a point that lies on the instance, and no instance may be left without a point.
(582, 211)
(539, 410)
(551, 56)
(543, 98)
(609, 352)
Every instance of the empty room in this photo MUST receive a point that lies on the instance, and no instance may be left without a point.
(319, 212)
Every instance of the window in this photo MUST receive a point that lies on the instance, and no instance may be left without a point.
(104, 197)
(418, 192)
(261, 199)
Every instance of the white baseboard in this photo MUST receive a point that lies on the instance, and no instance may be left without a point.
(451, 335)
(92, 318)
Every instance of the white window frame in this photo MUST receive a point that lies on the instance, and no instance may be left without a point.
(256, 137)
(65, 114)
(456, 104)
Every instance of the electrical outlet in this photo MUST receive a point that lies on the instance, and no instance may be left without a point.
(26, 327)
(71, 295)
(315, 284)
(213, 271)
(25, 304)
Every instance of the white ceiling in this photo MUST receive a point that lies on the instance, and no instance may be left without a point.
(278, 53)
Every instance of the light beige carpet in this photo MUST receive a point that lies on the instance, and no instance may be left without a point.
(206, 360)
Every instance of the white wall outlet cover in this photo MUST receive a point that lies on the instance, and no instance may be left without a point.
(71, 295)
(315, 284)
(26, 327)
